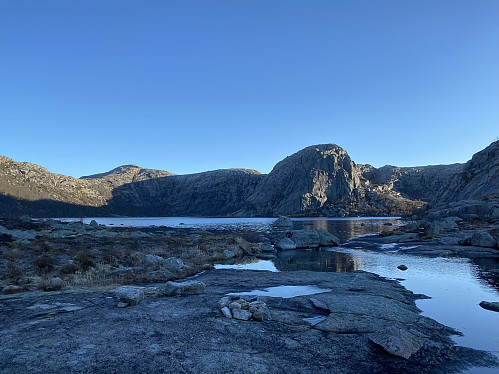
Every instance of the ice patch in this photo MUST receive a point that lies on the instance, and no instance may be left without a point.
(284, 291)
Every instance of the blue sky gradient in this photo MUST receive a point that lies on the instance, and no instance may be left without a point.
(190, 86)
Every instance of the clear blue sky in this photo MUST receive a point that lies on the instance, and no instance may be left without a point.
(189, 86)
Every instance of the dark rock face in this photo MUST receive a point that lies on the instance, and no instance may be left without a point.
(213, 193)
(415, 183)
(320, 180)
(323, 180)
(474, 192)
(307, 181)
(479, 178)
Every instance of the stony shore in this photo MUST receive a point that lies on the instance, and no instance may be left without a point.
(358, 323)
(348, 328)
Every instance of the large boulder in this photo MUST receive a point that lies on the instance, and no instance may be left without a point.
(439, 226)
(398, 342)
(312, 238)
(173, 264)
(130, 295)
(285, 244)
(283, 221)
(480, 239)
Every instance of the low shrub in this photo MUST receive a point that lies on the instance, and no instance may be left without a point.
(51, 284)
(43, 265)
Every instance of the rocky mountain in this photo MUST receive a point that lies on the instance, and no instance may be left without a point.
(318, 180)
(473, 193)
(212, 193)
(477, 180)
(414, 183)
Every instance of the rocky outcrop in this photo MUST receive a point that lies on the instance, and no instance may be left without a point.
(414, 183)
(313, 238)
(474, 192)
(306, 181)
(478, 180)
(322, 180)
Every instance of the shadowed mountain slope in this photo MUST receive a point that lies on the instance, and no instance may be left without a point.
(320, 180)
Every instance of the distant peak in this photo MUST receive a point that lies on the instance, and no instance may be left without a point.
(119, 169)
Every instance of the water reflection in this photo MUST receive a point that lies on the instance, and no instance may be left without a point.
(347, 228)
(315, 261)
(487, 270)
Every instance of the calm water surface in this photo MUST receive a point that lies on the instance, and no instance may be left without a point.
(456, 286)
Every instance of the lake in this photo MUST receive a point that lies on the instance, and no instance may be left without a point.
(456, 285)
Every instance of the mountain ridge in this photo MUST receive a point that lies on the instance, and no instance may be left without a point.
(317, 180)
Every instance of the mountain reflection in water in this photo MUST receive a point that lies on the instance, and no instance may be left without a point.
(315, 261)
(347, 228)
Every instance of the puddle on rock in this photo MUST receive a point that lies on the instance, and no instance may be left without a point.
(258, 265)
(284, 291)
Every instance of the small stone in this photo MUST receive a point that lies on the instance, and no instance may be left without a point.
(235, 305)
(223, 302)
(122, 305)
(256, 305)
(130, 294)
(241, 314)
(229, 254)
(402, 267)
(173, 264)
(226, 312)
(258, 316)
(250, 298)
(244, 304)
(12, 289)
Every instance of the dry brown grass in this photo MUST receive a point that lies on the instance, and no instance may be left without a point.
(51, 284)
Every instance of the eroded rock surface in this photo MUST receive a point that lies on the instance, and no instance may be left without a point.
(76, 332)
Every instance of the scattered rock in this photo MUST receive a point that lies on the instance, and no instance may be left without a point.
(173, 264)
(131, 295)
(437, 227)
(283, 221)
(480, 239)
(226, 312)
(285, 244)
(402, 267)
(150, 259)
(182, 288)
(241, 314)
(312, 238)
(235, 305)
(7, 290)
(258, 316)
(266, 247)
(224, 301)
(122, 305)
(229, 254)
(398, 342)
(93, 223)
(160, 276)
(490, 305)
(254, 306)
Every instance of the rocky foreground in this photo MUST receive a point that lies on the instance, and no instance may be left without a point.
(88, 299)
(359, 323)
